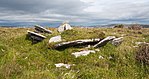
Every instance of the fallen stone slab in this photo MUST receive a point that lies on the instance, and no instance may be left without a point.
(55, 39)
(64, 65)
(35, 36)
(83, 53)
(42, 29)
(104, 41)
(117, 41)
(139, 43)
(77, 43)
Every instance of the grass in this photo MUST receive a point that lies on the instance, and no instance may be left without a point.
(20, 59)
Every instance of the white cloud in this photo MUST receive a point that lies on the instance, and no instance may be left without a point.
(117, 9)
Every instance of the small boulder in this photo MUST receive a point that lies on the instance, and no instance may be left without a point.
(140, 43)
(83, 53)
(55, 39)
(64, 65)
(117, 41)
(101, 57)
(97, 50)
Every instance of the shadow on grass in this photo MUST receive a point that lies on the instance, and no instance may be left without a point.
(28, 37)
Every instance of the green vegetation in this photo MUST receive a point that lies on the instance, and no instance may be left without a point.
(20, 59)
(119, 26)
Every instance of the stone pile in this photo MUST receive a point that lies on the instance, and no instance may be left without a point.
(37, 36)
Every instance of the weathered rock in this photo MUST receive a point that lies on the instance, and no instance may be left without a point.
(63, 27)
(101, 57)
(55, 39)
(139, 43)
(104, 41)
(97, 50)
(83, 53)
(64, 65)
(76, 43)
(117, 41)
(42, 29)
(110, 57)
(35, 36)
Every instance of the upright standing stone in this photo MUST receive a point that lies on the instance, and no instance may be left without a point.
(63, 27)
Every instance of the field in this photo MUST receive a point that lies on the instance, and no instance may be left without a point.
(20, 59)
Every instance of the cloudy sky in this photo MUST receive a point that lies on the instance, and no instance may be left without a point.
(77, 12)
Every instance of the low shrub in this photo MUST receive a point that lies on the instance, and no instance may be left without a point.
(142, 54)
(119, 26)
(135, 27)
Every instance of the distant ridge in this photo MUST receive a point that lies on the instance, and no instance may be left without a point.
(101, 26)
(112, 25)
(16, 26)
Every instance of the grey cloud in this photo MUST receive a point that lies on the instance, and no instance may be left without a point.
(55, 6)
(75, 11)
(28, 10)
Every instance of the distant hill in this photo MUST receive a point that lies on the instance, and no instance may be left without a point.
(126, 25)
(145, 26)
(101, 26)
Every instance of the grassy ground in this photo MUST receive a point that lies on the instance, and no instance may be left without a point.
(20, 59)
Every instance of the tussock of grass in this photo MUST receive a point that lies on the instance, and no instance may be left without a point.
(20, 59)
(75, 34)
